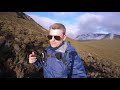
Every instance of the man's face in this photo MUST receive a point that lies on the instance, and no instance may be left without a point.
(57, 37)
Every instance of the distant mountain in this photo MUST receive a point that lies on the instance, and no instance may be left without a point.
(91, 36)
(19, 36)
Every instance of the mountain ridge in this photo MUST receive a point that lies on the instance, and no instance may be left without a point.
(91, 36)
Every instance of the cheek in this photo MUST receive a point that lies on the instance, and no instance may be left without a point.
(59, 42)
(55, 43)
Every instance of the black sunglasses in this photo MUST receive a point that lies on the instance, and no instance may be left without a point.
(55, 37)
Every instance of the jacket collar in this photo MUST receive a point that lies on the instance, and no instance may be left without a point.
(61, 48)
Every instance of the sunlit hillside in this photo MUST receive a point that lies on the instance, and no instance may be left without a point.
(101, 58)
(105, 49)
(19, 36)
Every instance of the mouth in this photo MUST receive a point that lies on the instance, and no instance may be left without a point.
(53, 43)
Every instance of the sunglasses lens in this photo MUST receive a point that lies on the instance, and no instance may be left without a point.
(57, 37)
(49, 37)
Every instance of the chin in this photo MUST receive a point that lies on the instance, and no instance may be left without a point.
(54, 46)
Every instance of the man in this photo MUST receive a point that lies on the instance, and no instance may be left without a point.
(62, 59)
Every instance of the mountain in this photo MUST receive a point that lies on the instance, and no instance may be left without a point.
(92, 36)
(19, 36)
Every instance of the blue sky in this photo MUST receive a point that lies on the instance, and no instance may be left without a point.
(80, 22)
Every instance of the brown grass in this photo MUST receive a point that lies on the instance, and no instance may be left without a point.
(108, 50)
(101, 58)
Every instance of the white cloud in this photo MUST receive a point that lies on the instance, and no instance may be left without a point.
(88, 23)
(43, 21)
(46, 22)
(111, 22)
(99, 22)
(72, 30)
(85, 23)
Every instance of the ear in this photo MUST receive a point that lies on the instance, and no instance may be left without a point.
(64, 37)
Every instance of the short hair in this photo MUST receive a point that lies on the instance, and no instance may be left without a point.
(58, 26)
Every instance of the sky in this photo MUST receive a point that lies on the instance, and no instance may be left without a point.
(78, 23)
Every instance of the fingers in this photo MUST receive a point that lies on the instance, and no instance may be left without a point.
(32, 55)
(33, 58)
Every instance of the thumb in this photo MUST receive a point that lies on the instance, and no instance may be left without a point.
(33, 53)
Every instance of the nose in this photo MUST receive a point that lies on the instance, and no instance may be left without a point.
(53, 39)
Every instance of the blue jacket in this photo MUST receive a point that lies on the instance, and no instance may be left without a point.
(55, 68)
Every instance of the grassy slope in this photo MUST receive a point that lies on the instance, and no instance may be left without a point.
(18, 37)
(24, 34)
(107, 50)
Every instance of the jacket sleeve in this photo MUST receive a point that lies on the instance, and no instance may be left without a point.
(38, 64)
(78, 67)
